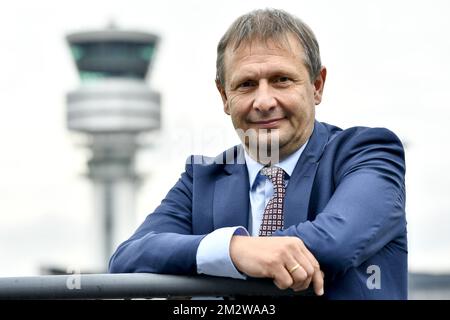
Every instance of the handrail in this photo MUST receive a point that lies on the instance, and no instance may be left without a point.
(135, 285)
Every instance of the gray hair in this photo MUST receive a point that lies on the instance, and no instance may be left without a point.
(265, 24)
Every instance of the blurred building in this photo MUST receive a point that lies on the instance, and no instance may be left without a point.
(112, 105)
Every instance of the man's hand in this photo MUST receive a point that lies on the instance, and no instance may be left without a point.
(274, 257)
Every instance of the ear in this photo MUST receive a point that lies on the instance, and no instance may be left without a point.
(319, 84)
(223, 94)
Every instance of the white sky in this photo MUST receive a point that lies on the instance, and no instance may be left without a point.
(387, 66)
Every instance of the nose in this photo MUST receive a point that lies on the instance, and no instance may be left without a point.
(264, 99)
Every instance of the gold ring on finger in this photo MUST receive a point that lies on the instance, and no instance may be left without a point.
(294, 268)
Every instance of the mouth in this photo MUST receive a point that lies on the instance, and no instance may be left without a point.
(268, 124)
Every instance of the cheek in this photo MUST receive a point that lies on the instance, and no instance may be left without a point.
(299, 109)
(293, 104)
(238, 107)
(301, 100)
(238, 120)
(236, 116)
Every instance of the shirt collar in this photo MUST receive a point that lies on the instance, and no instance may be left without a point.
(288, 164)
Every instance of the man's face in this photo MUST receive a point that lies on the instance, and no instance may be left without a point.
(267, 86)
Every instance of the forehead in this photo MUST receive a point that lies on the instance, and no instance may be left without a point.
(254, 51)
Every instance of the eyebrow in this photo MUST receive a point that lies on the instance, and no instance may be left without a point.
(250, 75)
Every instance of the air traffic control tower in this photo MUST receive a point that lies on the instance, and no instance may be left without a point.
(112, 105)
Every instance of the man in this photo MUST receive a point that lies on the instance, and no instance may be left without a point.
(324, 208)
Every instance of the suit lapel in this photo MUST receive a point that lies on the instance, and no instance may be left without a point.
(298, 191)
(231, 199)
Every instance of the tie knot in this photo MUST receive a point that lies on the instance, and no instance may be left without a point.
(275, 174)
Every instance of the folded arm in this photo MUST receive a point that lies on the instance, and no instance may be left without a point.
(367, 209)
(164, 243)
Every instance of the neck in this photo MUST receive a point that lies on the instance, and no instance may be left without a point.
(270, 157)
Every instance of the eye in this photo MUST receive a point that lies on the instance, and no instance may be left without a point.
(282, 79)
(247, 84)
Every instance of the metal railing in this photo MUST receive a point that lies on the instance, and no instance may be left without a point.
(136, 285)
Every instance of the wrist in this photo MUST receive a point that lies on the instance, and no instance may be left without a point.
(235, 248)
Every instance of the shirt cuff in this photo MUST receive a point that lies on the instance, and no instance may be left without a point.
(213, 253)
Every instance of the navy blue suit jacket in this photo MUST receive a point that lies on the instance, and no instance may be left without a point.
(345, 200)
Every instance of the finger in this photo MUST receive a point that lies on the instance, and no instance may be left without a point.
(300, 277)
(311, 258)
(282, 278)
(318, 282)
(301, 285)
(318, 277)
(303, 279)
(300, 257)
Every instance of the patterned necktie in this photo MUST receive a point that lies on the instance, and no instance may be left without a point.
(273, 213)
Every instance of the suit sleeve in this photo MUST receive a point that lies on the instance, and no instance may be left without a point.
(367, 209)
(164, 243)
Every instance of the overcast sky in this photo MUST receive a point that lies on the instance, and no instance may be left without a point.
(387, 66)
